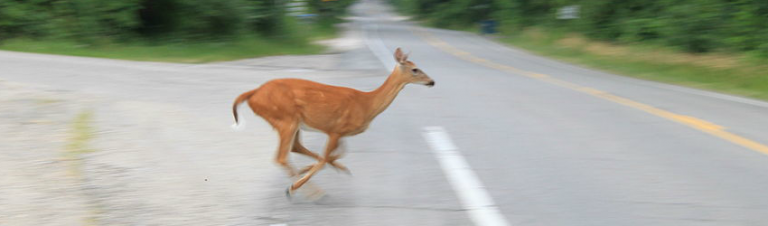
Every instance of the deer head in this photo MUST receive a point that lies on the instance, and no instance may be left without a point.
(409, 72)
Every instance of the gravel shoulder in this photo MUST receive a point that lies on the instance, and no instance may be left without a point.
(141, 163)
(39, 186)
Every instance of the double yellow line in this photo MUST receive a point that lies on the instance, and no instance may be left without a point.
(695, 123)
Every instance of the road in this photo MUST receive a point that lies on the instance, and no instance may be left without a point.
(548, 143)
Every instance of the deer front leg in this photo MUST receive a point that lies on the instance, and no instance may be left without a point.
(333, 141)
(330, 161)
(337, 155)
(298, 148)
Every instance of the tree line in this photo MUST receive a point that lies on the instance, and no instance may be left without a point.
(691, 25)
(175, 19)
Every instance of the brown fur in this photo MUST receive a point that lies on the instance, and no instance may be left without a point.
(336, 111)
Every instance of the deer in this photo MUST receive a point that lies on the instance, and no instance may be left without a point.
(290, 105)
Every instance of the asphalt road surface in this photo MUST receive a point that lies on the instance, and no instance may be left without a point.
(504, 138)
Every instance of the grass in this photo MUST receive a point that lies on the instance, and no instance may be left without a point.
(247, 46)
(738, 74)
(194, 52)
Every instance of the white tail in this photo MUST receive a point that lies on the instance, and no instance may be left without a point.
(240, 124)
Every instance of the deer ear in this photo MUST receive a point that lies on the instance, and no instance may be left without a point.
(399, 56)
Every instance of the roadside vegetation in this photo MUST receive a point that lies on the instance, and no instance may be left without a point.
(735, 73)
(720, 45)
(169, 30)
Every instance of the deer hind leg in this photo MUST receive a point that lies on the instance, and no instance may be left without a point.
(333, 142)
(287, 133)
(300, 149)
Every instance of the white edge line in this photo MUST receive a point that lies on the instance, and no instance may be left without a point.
(475, 200)
(468, 187)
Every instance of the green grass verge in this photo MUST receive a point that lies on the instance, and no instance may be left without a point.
(186, 52)
(728, 73)
(300, 41)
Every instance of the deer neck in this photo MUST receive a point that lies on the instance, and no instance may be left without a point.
(383, 96)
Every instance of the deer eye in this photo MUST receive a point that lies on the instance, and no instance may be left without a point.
(415, 70)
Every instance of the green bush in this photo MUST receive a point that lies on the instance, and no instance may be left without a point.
(67, 18)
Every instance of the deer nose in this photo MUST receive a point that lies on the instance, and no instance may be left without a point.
(431, 83)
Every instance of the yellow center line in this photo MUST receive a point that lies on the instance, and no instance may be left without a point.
(692, 122)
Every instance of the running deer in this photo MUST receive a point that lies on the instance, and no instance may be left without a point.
(293, 104)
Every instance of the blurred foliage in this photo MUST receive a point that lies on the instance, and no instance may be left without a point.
(690, 25)
(328, 9)
(60, 18)
(95, 20)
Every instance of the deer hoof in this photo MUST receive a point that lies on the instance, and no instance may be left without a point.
(289, 193)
